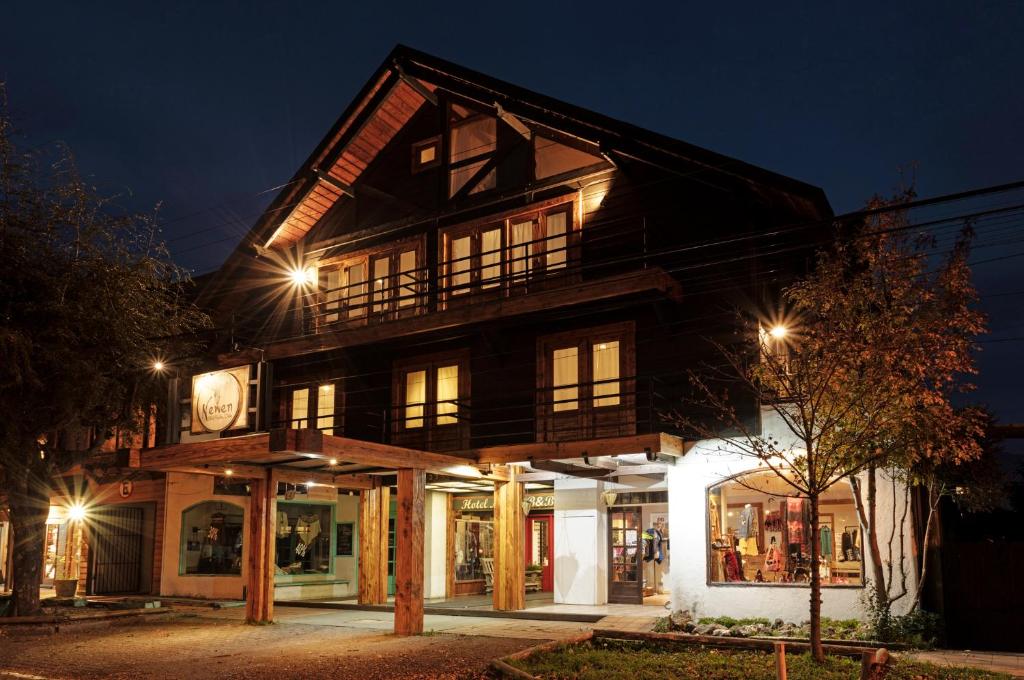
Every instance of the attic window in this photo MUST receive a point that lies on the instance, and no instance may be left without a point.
(426, 154)
(472, 144)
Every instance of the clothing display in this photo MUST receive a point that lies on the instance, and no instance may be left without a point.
(795, 519)
(748, 547)
(773, 521)
(827, 541)
(653, 545)
(715, 519)
(773, 559)
(283, 528)
(748, 522)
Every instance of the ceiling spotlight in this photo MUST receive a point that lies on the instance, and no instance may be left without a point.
(228, 472)
(333, 461)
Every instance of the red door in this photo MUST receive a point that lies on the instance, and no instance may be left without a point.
(540, 548)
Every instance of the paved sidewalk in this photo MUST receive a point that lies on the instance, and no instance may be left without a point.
(1000, 662)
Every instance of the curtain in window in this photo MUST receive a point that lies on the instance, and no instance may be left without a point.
(554, 246)
(490, 258)
(325, 409)
(460, 266)
(606, 373)
(332, 295)
(300, 407)
(519, 249)
(447, 394)
(407, 278)
(415, 396)
(565, 366)
(355, 289)
(381, 286)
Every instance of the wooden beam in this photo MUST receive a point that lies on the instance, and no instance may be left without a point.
(509, 545)
(259, 599)
(243, 447)
(570, 469)
(374, 506)
(416, 85)
(449, 581)
(327, 178)
(513, 121)
(237, 471)
(647, 281)
(312, 444)
(517, 453)
(409, 526)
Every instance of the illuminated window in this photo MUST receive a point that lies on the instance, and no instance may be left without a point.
(407, 278)
(565, 367)
(211, 539)
(300, 408)
(426, 154)
(606, 373)
(447, 395)
(325, 409)
(415, 398)
(472, 143)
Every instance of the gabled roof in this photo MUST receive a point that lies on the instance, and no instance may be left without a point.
(407, 79)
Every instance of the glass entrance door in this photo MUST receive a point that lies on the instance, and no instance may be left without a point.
(625, 577)
(540, 533)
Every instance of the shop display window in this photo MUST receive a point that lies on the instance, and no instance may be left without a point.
(303, 542)
(474, 549)
(212, 539)
(759, 533)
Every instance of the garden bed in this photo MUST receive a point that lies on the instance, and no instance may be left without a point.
(635, 656)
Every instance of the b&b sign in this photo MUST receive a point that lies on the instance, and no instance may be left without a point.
(220, 400)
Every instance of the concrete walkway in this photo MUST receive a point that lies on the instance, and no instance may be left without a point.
(998, 662)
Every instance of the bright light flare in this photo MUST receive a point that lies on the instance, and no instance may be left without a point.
(76, 513)
(778, 332)
(303, 276)
(158, 366)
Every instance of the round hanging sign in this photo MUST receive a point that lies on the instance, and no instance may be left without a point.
(219, 398)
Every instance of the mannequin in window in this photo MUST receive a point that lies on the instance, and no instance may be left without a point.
(748, 531)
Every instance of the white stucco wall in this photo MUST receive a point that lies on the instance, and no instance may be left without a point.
(184, 491)
(706, 465)
(581, 543)
(435, 550)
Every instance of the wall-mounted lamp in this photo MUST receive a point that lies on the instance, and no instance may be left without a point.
(609, 497)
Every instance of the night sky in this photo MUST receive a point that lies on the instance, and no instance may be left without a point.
(206, 107)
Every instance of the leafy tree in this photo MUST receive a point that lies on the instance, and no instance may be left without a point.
(89, 299)
(859, 375)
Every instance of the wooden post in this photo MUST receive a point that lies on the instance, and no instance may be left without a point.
(509, 544)
(780, 660)
(259, 601)
(409, 525)
(374, 505)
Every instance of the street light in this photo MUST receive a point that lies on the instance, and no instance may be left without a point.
(779, 331)
(158, 366)
(76, 513)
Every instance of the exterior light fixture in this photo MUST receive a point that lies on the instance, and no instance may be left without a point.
(228, 472)
(311, 483)
(76, 513)
(778, 332)
(332, 461)
(158, 366)
(526, 507)
(609, 497)
(303, 277)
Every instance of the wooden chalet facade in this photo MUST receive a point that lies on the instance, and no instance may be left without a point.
(470, 290)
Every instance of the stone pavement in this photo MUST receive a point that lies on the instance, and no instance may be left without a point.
(1000, 662)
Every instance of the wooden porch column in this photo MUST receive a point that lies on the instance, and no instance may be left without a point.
(509, 544)
(374, 506)
(409, 525)
(259, 600)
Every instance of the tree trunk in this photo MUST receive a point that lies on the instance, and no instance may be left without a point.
(871, 540)
(816, 649)
(29, 506)
(933, 501)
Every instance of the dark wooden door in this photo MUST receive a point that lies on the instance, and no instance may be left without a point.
(625, 574)
(116, 550)
(540, 541)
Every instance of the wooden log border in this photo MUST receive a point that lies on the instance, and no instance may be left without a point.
(504, 669)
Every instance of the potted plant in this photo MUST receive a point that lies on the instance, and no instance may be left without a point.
(533, 576)
(65, 581)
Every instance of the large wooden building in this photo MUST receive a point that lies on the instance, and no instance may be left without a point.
(451, 348)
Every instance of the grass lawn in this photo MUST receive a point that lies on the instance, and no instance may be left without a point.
(617, 659)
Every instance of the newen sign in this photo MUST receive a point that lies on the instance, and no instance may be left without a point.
(220, 400)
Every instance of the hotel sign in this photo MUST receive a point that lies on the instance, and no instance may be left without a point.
(220, 400)
(471, 503)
